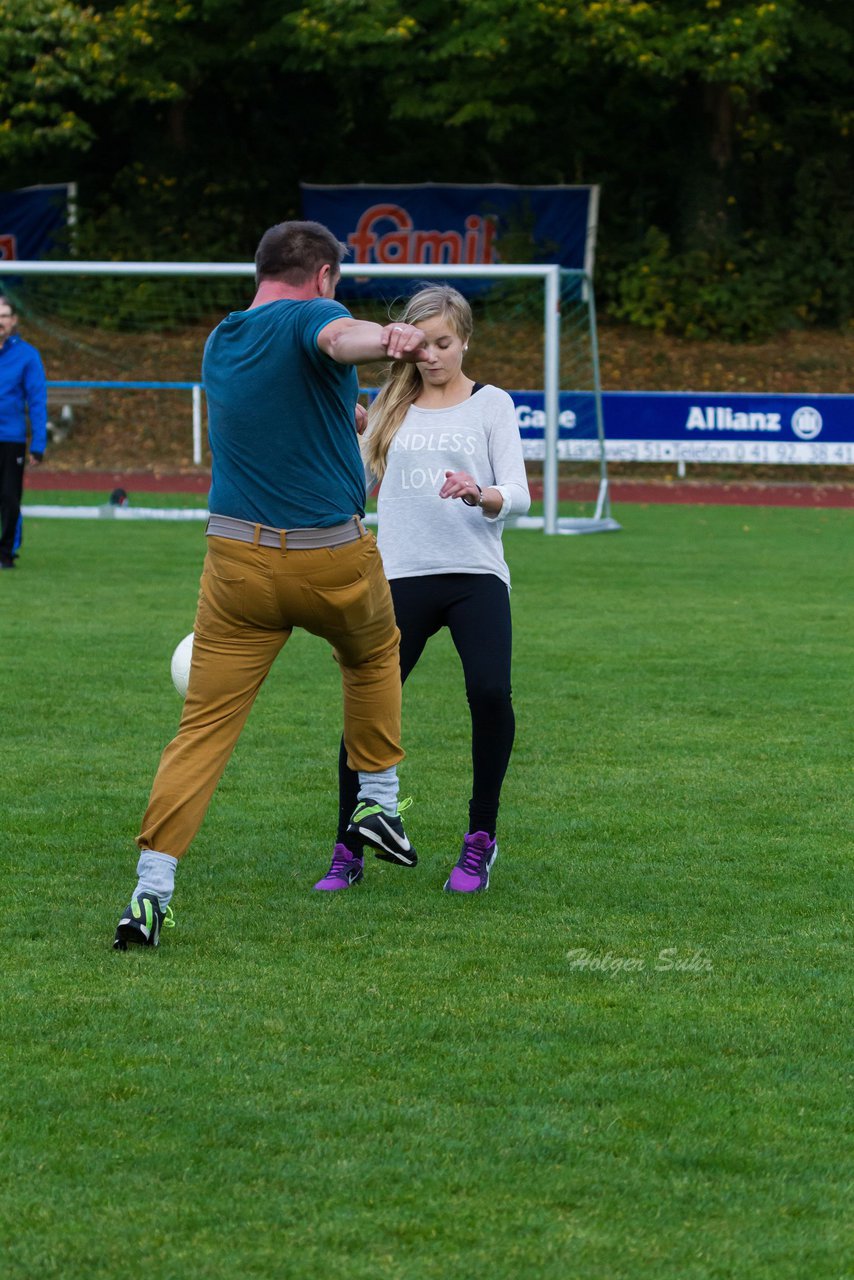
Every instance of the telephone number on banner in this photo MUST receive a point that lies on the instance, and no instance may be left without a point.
(782, 452)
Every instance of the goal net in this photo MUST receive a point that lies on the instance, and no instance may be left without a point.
(122, 343)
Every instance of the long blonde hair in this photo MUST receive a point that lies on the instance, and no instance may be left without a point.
(403, 381)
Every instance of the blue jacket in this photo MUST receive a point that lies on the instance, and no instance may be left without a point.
(23, 386)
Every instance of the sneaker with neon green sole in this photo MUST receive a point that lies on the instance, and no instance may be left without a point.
(141, 923)
(384, 833)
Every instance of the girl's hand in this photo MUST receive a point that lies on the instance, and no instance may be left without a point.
(459, 484)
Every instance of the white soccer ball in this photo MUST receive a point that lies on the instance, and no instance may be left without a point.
(181, 659)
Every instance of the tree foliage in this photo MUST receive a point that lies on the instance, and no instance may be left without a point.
(719, 130)
(56, 58)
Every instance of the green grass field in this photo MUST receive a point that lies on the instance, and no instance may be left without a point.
(630, 1059)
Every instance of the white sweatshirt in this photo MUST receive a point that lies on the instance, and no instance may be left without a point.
(421, 533)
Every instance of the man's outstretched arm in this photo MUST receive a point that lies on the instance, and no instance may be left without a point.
(349, 341)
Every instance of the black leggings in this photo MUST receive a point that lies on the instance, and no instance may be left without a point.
(475, 607)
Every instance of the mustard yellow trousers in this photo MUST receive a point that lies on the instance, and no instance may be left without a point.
(250, 600)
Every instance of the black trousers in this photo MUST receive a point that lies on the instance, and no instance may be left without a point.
(12, 455)
(475, 608)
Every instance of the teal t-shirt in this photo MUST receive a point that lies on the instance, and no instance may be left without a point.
(281, 419)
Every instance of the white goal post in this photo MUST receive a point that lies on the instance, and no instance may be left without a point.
(554, 281)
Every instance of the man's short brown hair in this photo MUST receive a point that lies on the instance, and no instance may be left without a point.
(294, 251)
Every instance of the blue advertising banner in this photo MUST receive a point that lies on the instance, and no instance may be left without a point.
(446, 223)
(30, 219)
(686, 426)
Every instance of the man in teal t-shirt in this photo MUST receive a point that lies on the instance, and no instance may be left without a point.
(280, 409)
(286, 548)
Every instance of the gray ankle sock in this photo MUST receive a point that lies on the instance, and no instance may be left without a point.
(156, 873)
(382, 787)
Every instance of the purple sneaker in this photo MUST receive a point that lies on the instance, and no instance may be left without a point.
(471, 874)
(346, 869)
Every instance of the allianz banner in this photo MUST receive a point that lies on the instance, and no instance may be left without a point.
(30, 220)
(445, 223)
(684, 426)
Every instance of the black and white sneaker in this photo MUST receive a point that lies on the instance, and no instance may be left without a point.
(141, 923)
(383, 833)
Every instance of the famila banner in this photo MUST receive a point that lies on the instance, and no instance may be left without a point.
(445, 223)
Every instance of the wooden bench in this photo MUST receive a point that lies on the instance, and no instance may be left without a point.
(65, 400)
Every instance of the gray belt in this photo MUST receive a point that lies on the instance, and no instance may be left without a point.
(262, 535)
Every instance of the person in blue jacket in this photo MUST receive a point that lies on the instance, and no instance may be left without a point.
(23, 390)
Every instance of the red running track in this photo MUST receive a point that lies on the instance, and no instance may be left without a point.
(686, 492)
